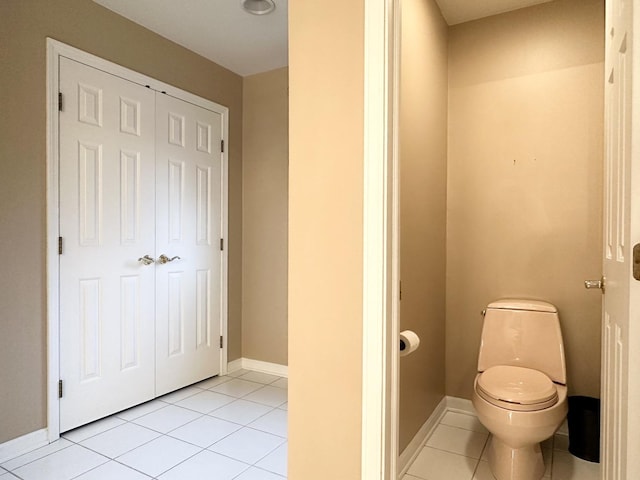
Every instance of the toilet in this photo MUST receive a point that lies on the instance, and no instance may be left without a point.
(520, 392)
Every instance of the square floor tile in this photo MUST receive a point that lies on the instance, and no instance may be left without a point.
(410, 477)
(237, 387)
(212, 382)
(561, 442)
(463, 420)
(120, 439)
(438, 464)
(141, 410)
(4, 475)
(112, 471)
(268, 395)
(61, 465)
(181, 394)
(206, 401)
(238, 373)
(276, 461)
(247, 445)
(36, 454)
(274, 422)
(158, 455)
(568, 467)
(258, 474)
(204, 465)
(284, 406)
(260, 377)
(82, 433)
(458, 440)
(241, 411)
(483, 472)
(281, 383)
(167, 418)
(204, 431)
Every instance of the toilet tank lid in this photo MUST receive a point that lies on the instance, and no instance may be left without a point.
(519, 304)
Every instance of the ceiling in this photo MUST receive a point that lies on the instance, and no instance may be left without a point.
(223, 32)
(219, 30)
(460, 11)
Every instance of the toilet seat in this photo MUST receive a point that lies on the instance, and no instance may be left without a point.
(517, 388)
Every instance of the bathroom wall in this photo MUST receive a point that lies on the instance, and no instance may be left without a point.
(326, 91)
(24, 25)
(423, 181)
(265, 172)
(525, 178)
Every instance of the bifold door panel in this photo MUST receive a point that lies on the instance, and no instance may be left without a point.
(140, 217)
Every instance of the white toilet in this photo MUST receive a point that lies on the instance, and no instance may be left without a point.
(520, 392)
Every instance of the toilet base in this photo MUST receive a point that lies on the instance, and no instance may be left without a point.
(507, 463)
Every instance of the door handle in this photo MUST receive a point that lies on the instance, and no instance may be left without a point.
(588, 284)
(146, 260)
(162, 259)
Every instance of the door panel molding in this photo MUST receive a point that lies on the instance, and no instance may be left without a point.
(129, 123)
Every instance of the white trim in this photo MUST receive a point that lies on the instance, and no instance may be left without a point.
(53, 285)
(379, 445)
(412, 450)
(55, 50)
(265, 367)
(234, 366)
(460, 405)
(24, 444)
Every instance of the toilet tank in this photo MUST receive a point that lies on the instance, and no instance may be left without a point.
(523, 333)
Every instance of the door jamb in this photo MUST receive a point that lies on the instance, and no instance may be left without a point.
(55, 50)
(380, 358)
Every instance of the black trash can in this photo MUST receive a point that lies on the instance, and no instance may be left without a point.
(584, 428)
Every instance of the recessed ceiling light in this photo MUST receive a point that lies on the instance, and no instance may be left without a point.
(258, 7)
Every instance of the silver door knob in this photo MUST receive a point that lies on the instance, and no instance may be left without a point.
(595, 284)
(162, 259)
(146, 260)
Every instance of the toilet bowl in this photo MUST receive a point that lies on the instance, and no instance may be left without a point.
(520, 392)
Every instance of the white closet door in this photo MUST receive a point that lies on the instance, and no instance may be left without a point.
(107, 220)
(188, 226)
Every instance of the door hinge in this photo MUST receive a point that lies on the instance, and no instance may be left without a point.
(400, 292)
(221, 341)
(222, 146)
(59, 388)
(636, 261)
(222, 244)
(59, 245)
(60, 101)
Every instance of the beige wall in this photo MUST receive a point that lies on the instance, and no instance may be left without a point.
(525, 178)
(24, 25)
(265, 176)
(423, 181)
(325, 238)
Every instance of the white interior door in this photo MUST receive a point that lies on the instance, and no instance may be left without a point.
(107, 194)
(620, 337)
(141, 174)
(188, 232)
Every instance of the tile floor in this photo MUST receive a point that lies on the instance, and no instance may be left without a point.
(457, 450)
(235, 427)
(231, 427)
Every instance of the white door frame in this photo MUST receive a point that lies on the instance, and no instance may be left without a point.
(55, 50)
(380, 357)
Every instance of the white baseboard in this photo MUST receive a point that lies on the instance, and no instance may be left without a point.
(460, 405)
(234, 365)
(24, 444)
(258, 366)
(412, 450)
